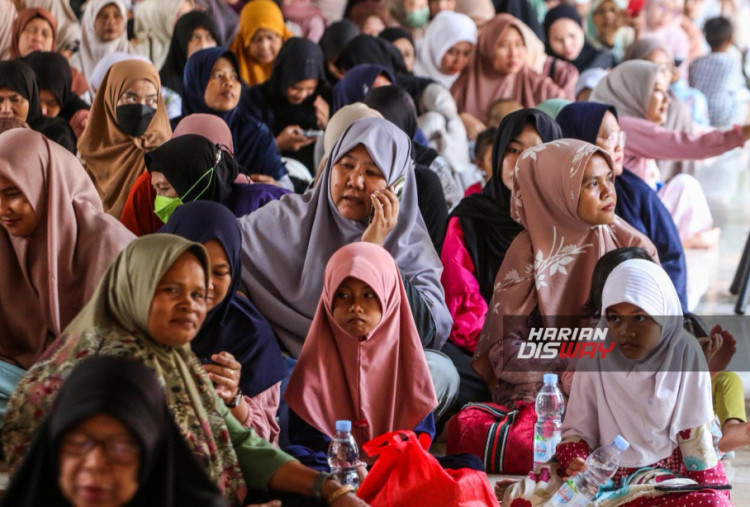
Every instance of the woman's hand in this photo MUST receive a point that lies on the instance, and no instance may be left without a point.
(225, 374)
(322, 112)
(473, 125)
(292, 139)
(386, 206)
(264, 178)
(575, 467)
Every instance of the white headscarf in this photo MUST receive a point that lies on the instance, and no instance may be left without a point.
(670, 387)
(283, 273)
(154, 26)
(92, 48)
(447, 29)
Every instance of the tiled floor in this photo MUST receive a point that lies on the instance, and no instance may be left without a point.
(732, 213)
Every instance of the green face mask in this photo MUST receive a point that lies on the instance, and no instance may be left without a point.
(165, 206)
(418, 18)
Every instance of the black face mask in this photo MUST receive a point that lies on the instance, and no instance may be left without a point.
(134, 119)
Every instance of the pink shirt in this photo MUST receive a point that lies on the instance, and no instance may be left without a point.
(462, 296)
(647, 140)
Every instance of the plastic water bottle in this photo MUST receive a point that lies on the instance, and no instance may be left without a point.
(601, 465)
(550, 406)
(343, 455)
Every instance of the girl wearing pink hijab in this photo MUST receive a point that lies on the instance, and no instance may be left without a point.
(362, 360)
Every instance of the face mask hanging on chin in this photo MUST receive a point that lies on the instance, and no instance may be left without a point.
(165, 206)
(134, 119)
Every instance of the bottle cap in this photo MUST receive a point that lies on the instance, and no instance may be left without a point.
(621, 443)
(550, 378)
(344, 426)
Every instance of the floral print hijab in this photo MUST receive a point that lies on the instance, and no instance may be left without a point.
(549, 265)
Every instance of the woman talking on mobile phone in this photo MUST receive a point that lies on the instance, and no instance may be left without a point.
(284, 273)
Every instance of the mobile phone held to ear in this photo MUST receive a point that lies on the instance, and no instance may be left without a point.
(312, 133)
(397, 188)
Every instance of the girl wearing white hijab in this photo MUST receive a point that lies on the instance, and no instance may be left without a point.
(654, 389)
(444, 33)
(93, 47)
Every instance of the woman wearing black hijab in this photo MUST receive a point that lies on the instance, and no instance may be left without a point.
(126, 391)
(295, 99)
(334, 40)
(397, 107)
(480, 231)
(565, 39)
(55, 79)
(17, 78)
(181, 47)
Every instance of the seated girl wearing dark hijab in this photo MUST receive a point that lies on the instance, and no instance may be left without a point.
(19, 98)
(190, 168)
(295, 99)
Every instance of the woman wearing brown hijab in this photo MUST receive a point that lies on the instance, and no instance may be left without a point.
(55, 243)
(498, 69)
(127, 119)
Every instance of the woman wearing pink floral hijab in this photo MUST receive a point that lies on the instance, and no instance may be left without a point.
(564, 197)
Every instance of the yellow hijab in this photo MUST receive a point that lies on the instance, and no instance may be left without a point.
(257, 14)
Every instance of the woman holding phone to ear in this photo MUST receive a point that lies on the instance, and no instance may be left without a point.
(284, 276)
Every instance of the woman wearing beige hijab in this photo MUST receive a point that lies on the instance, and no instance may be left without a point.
(127, 119)
(55, 243)
(499, 68)
(154, 26)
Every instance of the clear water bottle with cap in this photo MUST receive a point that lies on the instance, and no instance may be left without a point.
(601, 465)
(343, 455)
(549, 406)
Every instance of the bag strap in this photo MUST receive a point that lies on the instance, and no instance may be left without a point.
(495, 410)
(497, 439)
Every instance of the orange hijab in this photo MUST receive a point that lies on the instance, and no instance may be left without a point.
(480, 84)
(114, 159)
(380, 382)
(257, 14)
(24, 18)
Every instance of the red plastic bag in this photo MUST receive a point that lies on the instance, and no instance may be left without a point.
(405, 474)
(502, 437)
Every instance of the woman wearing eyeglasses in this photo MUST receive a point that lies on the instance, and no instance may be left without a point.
(638, 89)
(110, 440)
(637, 203)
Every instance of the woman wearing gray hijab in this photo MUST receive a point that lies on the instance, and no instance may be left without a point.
(287, 243)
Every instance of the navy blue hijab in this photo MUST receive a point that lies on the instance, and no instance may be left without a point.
(357, 83)
(254, 146)
(637, 203)
(485, 217)
(234, 325)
